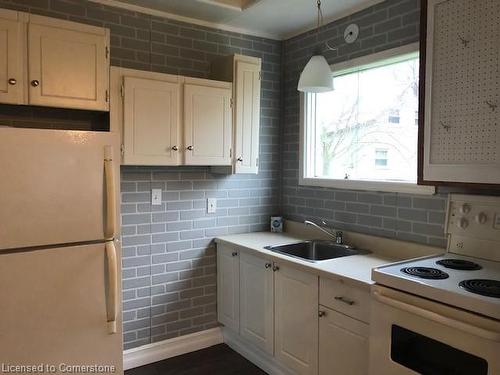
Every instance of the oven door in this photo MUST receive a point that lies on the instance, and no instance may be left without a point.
(412, 335)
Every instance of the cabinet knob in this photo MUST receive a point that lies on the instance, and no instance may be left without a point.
(190, 148)
(321, 313)
(240, 159)
(35, 83)
(344, 300)
(175, 148)
(268, 265)
(234, 254)
(276, 268)
(12, 81)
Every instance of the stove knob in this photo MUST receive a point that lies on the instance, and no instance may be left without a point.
(463, 223)
(465, 208)
(481, 218)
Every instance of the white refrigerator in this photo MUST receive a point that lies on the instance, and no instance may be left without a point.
(59, 251)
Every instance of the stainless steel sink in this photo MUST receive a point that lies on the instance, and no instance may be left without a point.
(316, 250)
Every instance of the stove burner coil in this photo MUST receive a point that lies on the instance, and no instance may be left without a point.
(425, 273)
(484, 287)
(459, 264)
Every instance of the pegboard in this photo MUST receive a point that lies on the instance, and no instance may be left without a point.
(465, 100)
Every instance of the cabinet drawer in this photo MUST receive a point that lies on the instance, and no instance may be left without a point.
(345, 298)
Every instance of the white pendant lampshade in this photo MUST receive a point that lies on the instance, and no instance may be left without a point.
(316, 76)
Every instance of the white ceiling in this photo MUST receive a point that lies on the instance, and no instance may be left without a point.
(277, 19)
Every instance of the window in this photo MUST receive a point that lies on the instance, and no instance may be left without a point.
(380, 157)
(349, 133)
(394, 117)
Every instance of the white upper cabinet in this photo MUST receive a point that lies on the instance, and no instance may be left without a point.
(171, 120)
(68, 64)
(207, 123)
(55, 63)
(12, 30)
(247, 116)
(151, 122)
(245, 73)
(461, 138)
(257, 301)
(296, 309)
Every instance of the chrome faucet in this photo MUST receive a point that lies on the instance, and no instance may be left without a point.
(337, 235)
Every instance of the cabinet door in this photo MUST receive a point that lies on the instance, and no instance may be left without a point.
(257, 301)
(462, 85)
(207, 121)
(296, 298)
(247, 117)
(68, 64)
(151, 122)
(343, 344)
(228, 287)
(11, 57)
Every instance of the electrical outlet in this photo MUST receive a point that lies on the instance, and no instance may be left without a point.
(211, 205)
(156, 197)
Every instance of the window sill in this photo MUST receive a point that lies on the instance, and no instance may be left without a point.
(391, 187)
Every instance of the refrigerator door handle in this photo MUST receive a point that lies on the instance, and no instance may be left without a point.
(112, 294)
(110, 225)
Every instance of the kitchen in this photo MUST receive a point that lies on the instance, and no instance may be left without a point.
(209, 137)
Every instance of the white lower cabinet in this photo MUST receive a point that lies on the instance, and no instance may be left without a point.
(273, 311)
(228, 287)
(257, 301)
(343, 344)
(296, 299)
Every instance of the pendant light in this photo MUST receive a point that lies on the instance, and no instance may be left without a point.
(317, 75)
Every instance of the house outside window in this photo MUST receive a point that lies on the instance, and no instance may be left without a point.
(381, 157)
(369, 116)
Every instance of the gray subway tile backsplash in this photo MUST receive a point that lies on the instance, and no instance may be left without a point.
(169, 272)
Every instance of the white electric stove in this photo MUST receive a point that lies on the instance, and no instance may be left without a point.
(441, 314)
(469, 283)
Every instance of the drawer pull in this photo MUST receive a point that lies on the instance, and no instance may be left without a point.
(347, 301)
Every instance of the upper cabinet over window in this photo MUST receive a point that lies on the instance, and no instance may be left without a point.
(49, 62)
(461, 131)
(245, 73)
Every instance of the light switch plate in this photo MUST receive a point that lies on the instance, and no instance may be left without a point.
(156, 197)
(211, 205)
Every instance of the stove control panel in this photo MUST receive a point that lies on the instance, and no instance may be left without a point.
(474, 216)
(473, 225)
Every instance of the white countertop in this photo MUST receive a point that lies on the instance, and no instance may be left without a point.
(356, 268)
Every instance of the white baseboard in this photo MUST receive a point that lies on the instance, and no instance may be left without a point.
(158, 351)
(259, 358)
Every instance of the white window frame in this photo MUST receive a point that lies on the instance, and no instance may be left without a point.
(306, 164)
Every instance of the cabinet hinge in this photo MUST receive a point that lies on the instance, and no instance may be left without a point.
(231, 102)
(260, 75)
(230, 152)
(257, 162)
(122, 149)
(107, 52)
(107, 96)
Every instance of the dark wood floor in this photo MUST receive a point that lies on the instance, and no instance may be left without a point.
(216, 360)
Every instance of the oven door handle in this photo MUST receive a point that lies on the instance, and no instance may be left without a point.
(438, 318)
